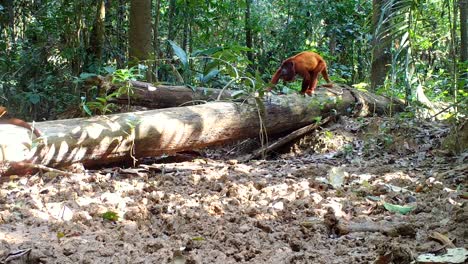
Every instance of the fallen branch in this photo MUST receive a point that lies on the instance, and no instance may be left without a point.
(444, 240)
(393, 229)
(386, 228)
(284, 140)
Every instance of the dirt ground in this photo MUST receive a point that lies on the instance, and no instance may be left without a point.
(327, 199)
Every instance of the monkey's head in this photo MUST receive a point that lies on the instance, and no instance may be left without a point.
(287, 71)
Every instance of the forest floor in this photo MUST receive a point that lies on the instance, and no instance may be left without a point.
(329, 198)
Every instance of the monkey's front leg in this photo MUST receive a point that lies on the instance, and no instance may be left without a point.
(305, 85)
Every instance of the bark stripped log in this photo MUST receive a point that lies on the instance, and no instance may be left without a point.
(108, 139)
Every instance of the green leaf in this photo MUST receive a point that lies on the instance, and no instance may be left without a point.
(60, 235)
(179, 52)
(109, 69)
(101, 99)
(317, 119)
(34, 98)
(86, 75)
(87, 110)
(236, 94)
(111, 216)
(209, 76)
(206, 52)
(398, 208)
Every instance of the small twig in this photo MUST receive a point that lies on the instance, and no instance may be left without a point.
(237, 145)
(193, 102)
(444, 240)
(448, 107)
(22, 254)
(461, 168)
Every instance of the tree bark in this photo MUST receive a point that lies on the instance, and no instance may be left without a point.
(170, 26)
(7, 21)
(185, 38)
(464, 30)
(119, 137)
(140, 33)
(156, 44)
(162, 96)
(381, 56)
(156, 97)
(248, 30)
(96, 41)
(121, 39)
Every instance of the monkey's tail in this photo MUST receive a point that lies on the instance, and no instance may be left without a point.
(327, 78)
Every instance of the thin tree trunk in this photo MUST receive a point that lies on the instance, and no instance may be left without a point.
(170, 28)
(7, 22)
(140, 33)
(332, 44)
(9, 32)
(96, 41)
(190, 33)
(120, 37)
(156, 44)
(248, 30)
(186, 28)
(463, 4)
(11, 20)
(381, 56)
(76, 41)
(453, 48)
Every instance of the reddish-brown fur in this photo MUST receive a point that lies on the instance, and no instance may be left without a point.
(16, 122)
(307, 64)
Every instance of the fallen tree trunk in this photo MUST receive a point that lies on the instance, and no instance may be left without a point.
(120, 137)
(163, 96)
(154, 96)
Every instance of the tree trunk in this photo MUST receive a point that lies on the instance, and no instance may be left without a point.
(170, 27)
(164, 96)
(96, 41)
(9, 34)
(464, 32)
(248, 30)
(7, 21)
(140, 33)
(185, 40)
(381, 56)
(156, 44)
(76, 41)
(119, 137)
(11, 20)
(121, 40)
(332, 43)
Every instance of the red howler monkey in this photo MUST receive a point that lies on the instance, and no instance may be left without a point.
(307, 64)
(15, 121)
